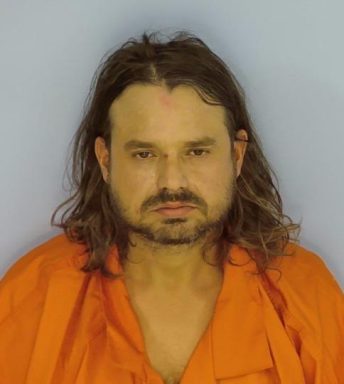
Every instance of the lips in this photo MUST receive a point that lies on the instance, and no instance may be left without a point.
(174, 206)
(175, 212)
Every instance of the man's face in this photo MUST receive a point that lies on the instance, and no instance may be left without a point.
(169, 169)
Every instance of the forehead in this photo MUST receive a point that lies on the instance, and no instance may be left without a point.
(149, 111)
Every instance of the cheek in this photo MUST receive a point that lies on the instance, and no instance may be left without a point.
(215, 188)
(216, 184)
(131, 183)
(218, 174)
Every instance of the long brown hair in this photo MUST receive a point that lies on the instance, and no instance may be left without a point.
(255, 221)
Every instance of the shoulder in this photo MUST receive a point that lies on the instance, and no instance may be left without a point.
(310, 304)
(47, 302)
(313, 301)
(305, 268)
(33, 270)
(56, 253)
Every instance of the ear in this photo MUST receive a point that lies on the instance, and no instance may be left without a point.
(103, 157)
(240, 149)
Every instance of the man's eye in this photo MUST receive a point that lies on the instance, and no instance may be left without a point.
(140, 153)
(198, 151)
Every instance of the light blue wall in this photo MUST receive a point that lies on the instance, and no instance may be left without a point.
(288, 55)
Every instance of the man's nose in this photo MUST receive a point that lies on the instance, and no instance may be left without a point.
(172, 173)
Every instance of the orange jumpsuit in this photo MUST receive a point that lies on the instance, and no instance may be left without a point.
(59, 325)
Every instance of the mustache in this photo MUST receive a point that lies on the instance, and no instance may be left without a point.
(166, 196)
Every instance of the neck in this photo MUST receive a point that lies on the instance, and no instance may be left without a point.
(172, 268)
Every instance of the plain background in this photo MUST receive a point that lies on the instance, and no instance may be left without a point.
(288, 56)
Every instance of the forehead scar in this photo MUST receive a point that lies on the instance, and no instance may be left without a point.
(165, 100)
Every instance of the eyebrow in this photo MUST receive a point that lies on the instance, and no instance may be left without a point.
(200, 142)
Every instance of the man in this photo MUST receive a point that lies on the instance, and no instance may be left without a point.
(175, 265)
